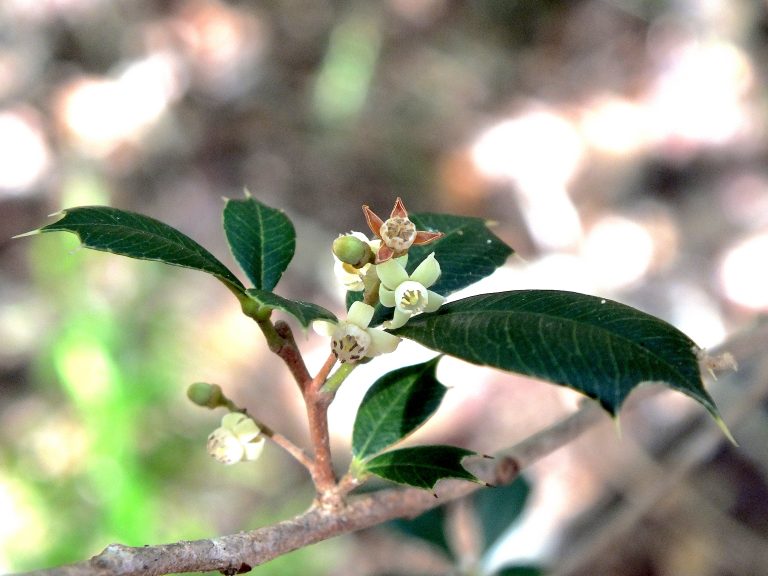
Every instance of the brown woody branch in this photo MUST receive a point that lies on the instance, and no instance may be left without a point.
(241, 552)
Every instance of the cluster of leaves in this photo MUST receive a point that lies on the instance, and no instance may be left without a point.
(598, 347)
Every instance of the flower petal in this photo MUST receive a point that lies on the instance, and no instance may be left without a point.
(360, 314)
(324, 327)
(384, 253)
(382, 342)
(246, 430)
(434, 301)
(231, 420)
(374, 222)
(427, 272)
(424, 237)
(399, 210)
(225, 447)
(348, 276)
(400, 318)
(253, 449)
(386, 296)
(391, 274)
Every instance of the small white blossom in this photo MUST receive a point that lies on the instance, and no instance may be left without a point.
(352, 339)
(238, 438)
(409, 295)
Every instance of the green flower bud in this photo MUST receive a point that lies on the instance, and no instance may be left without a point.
(353, 251)
(206, 395)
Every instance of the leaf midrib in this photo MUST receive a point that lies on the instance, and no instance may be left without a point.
(195, 247)
(379, 422)
(543, 315)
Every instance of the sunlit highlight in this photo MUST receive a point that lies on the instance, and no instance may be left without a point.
(101, 114)
(222, 46)
(23, 529)
(699, 95)
(87, 371)
(540, 153)
(742, 274)
(697, 314)
(618, 252)
(60, 446)
(535, 147)
(615, 126)
(25, 154)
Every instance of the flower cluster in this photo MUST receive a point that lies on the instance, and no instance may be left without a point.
(238, 438)
(408, 295)
(378, 267)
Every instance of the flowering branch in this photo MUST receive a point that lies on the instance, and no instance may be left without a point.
(242, 551)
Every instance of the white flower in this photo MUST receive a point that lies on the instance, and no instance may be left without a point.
(408, 294)
(239, 438)
(349, 276)
(352, 340)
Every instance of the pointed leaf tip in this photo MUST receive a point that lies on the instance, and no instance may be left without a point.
(421, 466)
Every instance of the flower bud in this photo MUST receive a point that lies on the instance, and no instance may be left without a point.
(206, 395)
(353, 251)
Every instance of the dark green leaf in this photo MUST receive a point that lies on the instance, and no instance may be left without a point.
(136, 236)
(421, 466)
(304, 312)
(468, 252)
(396, 404)
(429, 527)
(262, 240)
(498, 507)
(519, 571)
(598, 347)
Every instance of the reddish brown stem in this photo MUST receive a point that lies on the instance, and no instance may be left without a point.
(281, 341)
(317, 403)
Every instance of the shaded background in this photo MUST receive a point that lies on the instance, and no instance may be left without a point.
(619, 145)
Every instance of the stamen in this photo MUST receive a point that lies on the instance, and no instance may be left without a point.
(411, 296)
(351, 344)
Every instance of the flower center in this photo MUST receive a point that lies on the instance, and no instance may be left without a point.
(411, 296)
(350, 343)
(398, 233)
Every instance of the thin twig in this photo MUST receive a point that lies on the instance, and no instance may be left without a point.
(298, 454)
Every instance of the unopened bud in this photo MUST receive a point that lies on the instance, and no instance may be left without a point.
(353, 251)
(206, 395)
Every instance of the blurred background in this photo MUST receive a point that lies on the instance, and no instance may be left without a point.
(619, 145)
